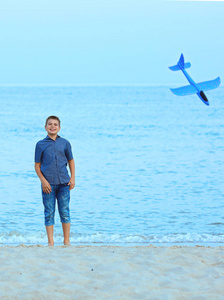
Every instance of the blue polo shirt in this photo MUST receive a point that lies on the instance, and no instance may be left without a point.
(54, 156)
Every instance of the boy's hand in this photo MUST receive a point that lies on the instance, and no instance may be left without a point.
(46, 187)
(71, 184)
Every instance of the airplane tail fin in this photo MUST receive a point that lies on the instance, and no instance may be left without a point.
(180, 65)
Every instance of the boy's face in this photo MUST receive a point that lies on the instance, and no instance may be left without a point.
(52, 127)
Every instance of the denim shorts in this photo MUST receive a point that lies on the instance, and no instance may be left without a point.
(60, 192)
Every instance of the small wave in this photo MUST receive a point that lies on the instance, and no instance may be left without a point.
(16, 238)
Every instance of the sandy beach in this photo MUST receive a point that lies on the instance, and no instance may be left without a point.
(111, 272)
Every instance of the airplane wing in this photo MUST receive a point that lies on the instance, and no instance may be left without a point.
(209, 85)
(185, 90)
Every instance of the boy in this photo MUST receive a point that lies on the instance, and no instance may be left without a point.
(51, 157)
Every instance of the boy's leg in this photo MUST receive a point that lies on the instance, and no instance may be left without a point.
(63, 197)
(49, 212)
(50, 233)
(66, 232)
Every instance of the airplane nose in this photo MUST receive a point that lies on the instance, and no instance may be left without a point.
(202, 94)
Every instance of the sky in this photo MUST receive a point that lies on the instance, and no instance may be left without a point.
(109, 42)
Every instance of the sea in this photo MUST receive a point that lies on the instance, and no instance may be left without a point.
(149, 164)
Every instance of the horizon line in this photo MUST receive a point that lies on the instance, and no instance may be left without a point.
(85, 84)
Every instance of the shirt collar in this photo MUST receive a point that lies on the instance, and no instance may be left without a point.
(48, 138)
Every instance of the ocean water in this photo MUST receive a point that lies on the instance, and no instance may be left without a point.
(149, 165)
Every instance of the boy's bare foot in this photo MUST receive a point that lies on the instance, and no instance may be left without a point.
(67, 244)
(50, 244)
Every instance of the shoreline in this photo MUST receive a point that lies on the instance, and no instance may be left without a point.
(111, 272)
(125, 245)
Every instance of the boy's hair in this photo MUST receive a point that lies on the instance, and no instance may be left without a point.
(54, 118)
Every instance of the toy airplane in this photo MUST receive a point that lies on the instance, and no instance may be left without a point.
(193, 88)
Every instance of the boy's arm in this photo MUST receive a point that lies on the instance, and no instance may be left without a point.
(45, 184)
(71, 183)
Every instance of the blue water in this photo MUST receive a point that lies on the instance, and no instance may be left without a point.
(149, 165)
